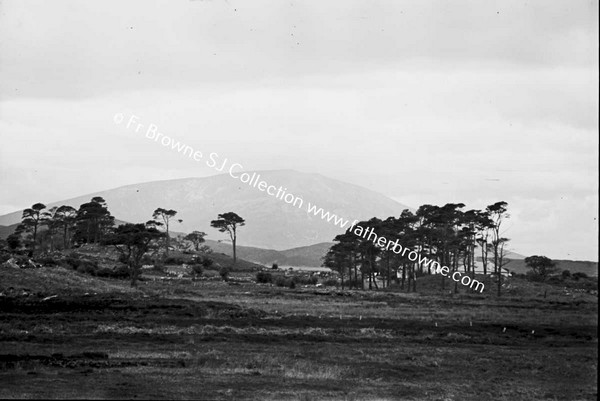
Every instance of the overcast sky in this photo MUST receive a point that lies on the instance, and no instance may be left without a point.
(424, 101)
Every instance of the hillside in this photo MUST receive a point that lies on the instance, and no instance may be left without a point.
(270, 222)
(5, 231)
(303, 256)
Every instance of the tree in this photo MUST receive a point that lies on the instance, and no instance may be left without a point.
(196, 238)
(336, 259)
(49, 220)
(447, 221)
(369, 251)
(93, 221)
(473, 221)
(498, 213)
(345, 252)
(483, 225)
(542, 266)
(65, 218)
(132, 241)
(166, 216)
(229, 223)
(32, 219)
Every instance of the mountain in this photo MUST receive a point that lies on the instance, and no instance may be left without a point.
(270, 222)
(514, 256)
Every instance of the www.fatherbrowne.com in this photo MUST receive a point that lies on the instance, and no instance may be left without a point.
(235, 170)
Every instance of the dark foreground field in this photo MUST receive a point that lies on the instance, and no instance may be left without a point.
(213, 340)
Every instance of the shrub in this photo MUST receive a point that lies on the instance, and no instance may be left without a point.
(207, 262)
(203, 260)
(578, 275)
(87, 267)
(224, 273)
(330, 282)
(197, 269)
(566, 274)
(306, 280)
(47, 261)
(291, 284)
(72, 261)
(174, 261)
(210, 274)
(275, 266)
(554, 280)
(13, 241)
(205, 249)
(119, 272)
(280, 281)
(532, 276)
(264, 277)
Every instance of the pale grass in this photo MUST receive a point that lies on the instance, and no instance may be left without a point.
(366, 333)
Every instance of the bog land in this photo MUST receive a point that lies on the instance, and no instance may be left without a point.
(67, 334)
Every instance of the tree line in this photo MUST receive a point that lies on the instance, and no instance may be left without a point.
(443, 234)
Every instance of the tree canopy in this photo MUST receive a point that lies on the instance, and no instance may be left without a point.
(229, 223)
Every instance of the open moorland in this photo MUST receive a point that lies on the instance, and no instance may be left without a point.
(68, 334)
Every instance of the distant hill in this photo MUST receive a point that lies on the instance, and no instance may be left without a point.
(303, 256)
(270, 222)
(5, 231)
(587, 267)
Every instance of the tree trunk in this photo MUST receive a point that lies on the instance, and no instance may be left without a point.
(167, 240)
(456, 269)
(134, 274)
(403, 275)
(499, 280)
(362, 278)
(234, 255)
(34, 238)
(388, 270)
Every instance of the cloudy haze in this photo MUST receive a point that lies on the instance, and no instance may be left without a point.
(423, 101)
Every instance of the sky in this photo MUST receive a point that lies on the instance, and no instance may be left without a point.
(427, 102)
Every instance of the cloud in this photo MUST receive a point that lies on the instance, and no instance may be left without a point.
(66, 49)
(427, 102)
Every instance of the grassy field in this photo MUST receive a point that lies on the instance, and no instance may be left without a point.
(64, 334)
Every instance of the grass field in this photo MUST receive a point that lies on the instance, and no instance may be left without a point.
(69, 335)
